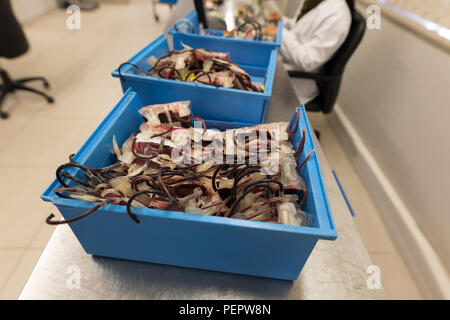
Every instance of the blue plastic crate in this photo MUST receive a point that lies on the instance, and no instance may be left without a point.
(189, 28)
(189, 240)
(209, 102)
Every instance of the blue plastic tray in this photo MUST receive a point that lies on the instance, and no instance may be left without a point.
(183, 30)
(209, 102)
(189, 240)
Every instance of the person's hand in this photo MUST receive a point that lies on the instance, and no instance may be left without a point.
(270, 31)
(274, 16)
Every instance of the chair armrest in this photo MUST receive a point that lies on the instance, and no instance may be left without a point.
(308, 75)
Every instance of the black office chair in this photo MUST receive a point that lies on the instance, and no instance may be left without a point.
(329, 78)
(13, 43)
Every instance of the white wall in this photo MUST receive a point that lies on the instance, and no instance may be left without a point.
(396, 94)
(26, 10)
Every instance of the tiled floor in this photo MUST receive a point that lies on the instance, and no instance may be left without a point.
(39, 136)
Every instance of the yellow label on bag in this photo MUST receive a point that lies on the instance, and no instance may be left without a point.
(184, 74)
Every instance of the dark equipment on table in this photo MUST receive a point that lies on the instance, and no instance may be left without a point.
(13, 44)
(201, 13)
(82, 4)
(329, 78)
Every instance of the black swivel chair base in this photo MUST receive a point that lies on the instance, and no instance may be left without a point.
(9, 86)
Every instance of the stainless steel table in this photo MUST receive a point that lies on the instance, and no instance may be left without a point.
(335, 269)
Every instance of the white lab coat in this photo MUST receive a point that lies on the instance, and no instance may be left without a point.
(311, 42)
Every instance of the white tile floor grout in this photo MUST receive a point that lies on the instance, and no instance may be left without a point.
(78, 65)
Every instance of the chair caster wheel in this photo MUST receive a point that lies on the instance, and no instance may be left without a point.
(46, 85)
(4, 115)
(50, 100)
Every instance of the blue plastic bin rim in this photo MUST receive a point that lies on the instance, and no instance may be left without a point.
(194, 16)
(323, 232)
(267, 86)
